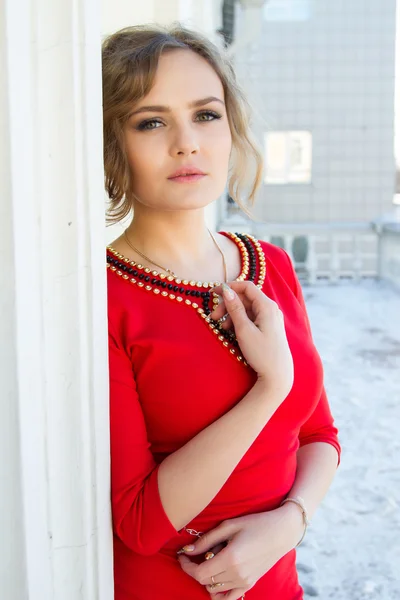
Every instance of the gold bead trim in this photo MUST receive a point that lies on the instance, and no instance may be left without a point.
(260, 256)
(242, 277)
(199, 284)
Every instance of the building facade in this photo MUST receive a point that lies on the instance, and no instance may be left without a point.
(321, 79)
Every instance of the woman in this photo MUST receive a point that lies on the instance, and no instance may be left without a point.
(222, 441)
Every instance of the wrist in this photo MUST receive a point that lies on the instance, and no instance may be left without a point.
(293, 517)
(270, 393)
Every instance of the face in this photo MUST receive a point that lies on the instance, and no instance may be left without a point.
(180, 125)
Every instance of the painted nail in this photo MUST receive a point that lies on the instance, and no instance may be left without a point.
(189, 548)
(228, 292)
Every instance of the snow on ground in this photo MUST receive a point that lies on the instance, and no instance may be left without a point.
(352, 550)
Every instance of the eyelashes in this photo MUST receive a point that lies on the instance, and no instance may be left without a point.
(148, 124)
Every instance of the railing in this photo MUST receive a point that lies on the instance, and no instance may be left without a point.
(331, 251)
(389, 252)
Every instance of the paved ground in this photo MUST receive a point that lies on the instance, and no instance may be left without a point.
(352, 551)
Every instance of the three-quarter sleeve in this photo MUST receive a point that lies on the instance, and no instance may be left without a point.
(139, 519)
(320, 426)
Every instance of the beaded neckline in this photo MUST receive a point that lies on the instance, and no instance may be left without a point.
(185, 292)
(244, 269)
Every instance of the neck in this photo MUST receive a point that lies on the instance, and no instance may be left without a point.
(176, 240)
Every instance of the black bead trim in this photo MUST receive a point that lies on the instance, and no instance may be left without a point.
(205, 296)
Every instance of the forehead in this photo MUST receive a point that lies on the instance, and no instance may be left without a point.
(183, 76)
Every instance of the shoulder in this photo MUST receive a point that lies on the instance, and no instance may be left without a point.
(278, 263)
(122, 300)
(274, 253)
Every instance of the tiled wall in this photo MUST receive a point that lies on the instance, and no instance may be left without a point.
(333, 75)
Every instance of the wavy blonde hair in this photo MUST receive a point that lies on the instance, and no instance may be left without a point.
(129, 62)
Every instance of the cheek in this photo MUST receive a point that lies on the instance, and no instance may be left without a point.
(143, 159)
(221, 142)
(221, 147)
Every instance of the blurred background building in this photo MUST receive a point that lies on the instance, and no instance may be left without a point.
(321, 79)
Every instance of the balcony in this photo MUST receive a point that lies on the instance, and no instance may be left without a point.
(332, 251)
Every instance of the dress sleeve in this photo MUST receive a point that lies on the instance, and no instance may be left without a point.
(319, 427)
(139, 519)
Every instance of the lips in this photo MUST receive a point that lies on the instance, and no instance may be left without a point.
(186, 172)
(187, 178)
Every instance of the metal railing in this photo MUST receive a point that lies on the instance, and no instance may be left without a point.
(389, 252)
(331, 251)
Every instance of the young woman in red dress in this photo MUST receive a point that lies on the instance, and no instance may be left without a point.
(222, 440)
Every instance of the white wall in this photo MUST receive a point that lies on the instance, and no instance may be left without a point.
(12, 555)
(55, 540)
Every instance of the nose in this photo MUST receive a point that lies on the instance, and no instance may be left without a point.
(184, 142)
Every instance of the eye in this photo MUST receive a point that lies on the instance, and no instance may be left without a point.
(148, 125)
(208, 115)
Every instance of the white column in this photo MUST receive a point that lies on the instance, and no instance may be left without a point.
(12, 555)
(117, 14)
(56, 544)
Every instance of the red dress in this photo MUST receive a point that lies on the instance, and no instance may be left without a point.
(170, 377)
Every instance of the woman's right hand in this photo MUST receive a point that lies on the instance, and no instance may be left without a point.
(260, 331)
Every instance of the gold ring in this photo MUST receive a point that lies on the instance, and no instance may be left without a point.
(216, 585)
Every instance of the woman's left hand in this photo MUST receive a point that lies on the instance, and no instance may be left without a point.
(255, 543)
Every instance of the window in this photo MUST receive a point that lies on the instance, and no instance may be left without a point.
(288, 10)
(288, 157)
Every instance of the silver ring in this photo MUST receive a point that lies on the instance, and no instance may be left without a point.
(223, 319)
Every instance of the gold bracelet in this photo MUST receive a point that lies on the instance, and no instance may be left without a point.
(306, 521)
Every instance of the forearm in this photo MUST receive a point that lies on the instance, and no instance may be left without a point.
(191, 477)
(316, 468)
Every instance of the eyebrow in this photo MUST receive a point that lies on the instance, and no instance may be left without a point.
(160, 108)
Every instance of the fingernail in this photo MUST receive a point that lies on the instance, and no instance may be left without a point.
(189, 548)
(228, 292)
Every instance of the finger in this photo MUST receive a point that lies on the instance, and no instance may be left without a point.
(217, 568)
(220, 585)
(216, 536)
(214, 551)
(189, 567)
(220, 308)
(235, 308)
(227, 324)
(253, 299)
(243, 288)
(217, 595)
(246, 290)
(235, 594)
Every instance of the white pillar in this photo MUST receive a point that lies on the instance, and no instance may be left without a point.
(12, 555)
(54, 435)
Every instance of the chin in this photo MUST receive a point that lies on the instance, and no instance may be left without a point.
(197, 200)
(188, 205)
